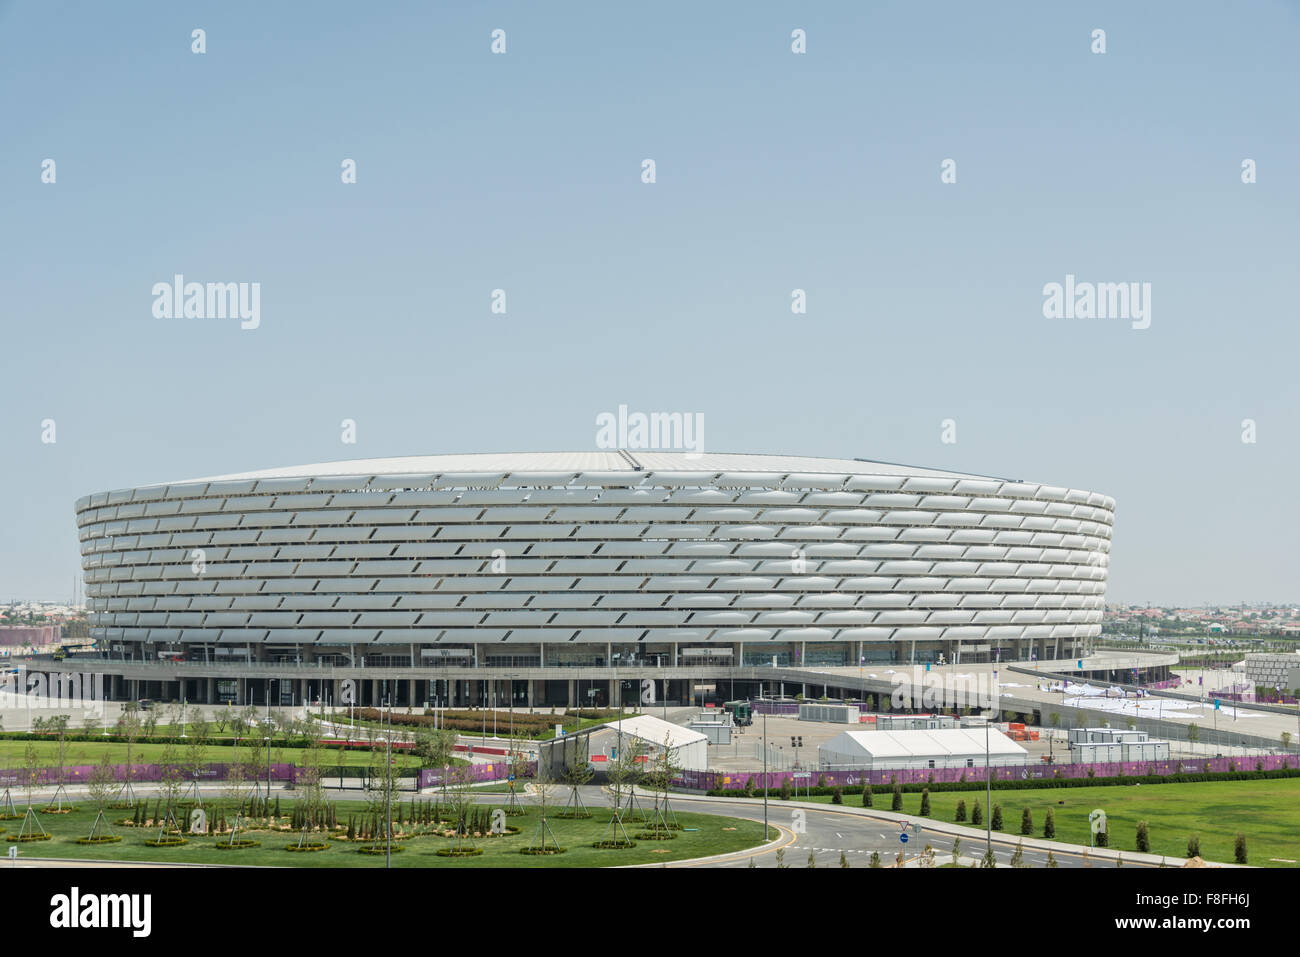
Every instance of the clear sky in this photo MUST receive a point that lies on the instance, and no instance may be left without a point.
(774, 171)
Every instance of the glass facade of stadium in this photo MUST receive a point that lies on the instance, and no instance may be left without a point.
(569, 578)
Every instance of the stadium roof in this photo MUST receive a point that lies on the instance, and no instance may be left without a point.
(603, 461)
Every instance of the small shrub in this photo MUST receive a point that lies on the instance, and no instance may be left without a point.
(1049, 825)
(1239, 849)
(1026, 822)
(1194, 846)
(837, 795)
(961, 812)
(1143, 837)
(897, 803)
(997, 817)
(977, 814)
(866, 795)
(925, 803)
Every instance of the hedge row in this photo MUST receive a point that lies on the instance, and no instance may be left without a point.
(1029, 784)
(462, 720)
(213, 740)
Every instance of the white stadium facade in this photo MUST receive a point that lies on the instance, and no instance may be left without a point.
(555, 578)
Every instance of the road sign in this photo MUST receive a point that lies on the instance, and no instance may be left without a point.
(903, 837)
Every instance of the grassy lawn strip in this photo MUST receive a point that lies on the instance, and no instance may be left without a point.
(715, 835)
(1266, 811)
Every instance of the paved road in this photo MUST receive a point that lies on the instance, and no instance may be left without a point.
(822, 830)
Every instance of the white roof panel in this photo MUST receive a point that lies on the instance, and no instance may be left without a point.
(939, 741)
(678, 463)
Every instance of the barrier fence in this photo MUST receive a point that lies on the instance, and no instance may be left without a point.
(738, 780)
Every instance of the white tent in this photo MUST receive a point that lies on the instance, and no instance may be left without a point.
(690, 748)
(940, 748)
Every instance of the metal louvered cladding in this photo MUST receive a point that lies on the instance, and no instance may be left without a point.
(705, 550)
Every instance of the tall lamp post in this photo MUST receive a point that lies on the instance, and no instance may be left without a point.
(988, 792)
(765, 781)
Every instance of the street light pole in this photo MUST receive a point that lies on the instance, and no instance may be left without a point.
(988, 796)
(765, 781)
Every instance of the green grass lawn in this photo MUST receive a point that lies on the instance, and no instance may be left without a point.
(12, 754)
(715, 835)
(1267, 812)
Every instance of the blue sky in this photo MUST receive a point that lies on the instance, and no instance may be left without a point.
(775, 171)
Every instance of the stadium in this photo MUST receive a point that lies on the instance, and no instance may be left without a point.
(570, 578)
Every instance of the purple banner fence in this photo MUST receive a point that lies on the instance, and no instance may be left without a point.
(737, 780)
(496, 771)
(143, 773)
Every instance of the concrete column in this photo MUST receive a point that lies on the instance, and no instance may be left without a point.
(572, 695)
(411, 699)
(374, 696)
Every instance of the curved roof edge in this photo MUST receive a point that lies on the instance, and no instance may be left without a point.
(601, 461)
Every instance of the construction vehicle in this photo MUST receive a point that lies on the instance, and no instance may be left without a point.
(741, 713)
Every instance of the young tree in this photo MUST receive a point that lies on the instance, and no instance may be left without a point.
(1194, 846)
(960, 816)
(434, 746)
(866, 793)
(543, 785)
(663, 770)
(1026, 822)
(1143, 837)
(128, 726)
(1049, 825)
(460, 801)
(996, 823)
(1239, 849)
(576, 775)
(897, 803)
(977, 814)
(58, 725)
(196, 751)
(31, 829)
(100, 788)
(925, 802)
